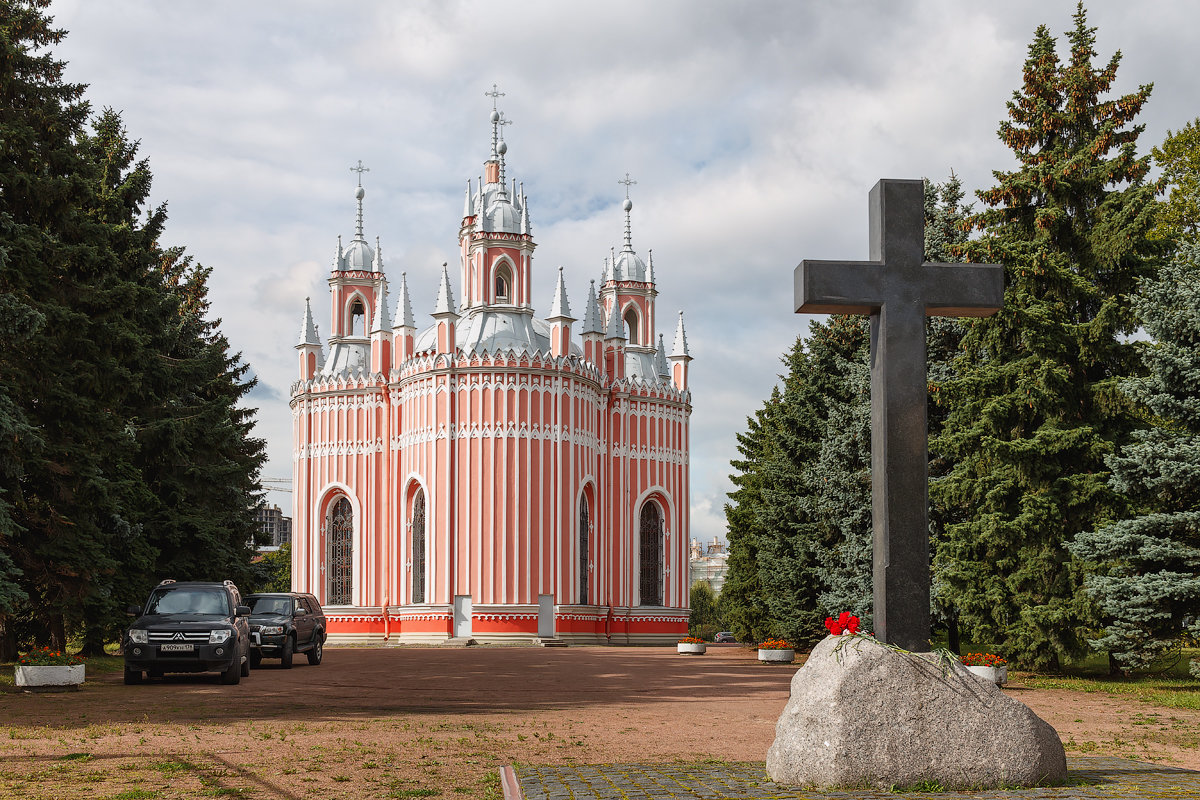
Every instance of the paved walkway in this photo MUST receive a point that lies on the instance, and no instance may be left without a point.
(1092, 777)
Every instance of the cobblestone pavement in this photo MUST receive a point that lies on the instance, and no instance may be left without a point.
(1090, 777)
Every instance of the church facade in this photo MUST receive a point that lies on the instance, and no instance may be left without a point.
(493, 474)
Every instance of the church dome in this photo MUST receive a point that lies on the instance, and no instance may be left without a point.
(629, 267)
(359, 255)
(503, 217)
(485, 331)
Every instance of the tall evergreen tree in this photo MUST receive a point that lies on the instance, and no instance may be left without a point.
(64, 502)
(1147, 584)
(741, 600)
(1037, 406)
(125, 452)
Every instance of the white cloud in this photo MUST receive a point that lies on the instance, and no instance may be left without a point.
(754, 132)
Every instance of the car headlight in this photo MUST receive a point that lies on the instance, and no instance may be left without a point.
(139, 637)
(267, 630)
(219, 636)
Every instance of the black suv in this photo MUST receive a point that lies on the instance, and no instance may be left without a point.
(192, 626)
(283, 624)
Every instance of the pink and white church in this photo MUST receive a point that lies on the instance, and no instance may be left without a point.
(493, 475)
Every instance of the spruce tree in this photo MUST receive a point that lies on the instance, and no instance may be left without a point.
(1037, 407)
(1147, 583)
(838, 476)
(741, 601)
(789, 554)
(126, 451)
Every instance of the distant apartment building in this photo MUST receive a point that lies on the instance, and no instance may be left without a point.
(708, 563)
(272, 522)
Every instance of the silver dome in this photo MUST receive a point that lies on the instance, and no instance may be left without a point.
(358, 255)
(484, 331)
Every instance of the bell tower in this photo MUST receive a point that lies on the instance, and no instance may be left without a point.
(496, 239)
(628, 290)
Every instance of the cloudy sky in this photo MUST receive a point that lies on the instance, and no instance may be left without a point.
(754, 132)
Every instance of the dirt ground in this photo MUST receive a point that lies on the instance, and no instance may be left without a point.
(430, 722)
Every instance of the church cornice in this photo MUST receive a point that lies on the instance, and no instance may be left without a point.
(347, 276)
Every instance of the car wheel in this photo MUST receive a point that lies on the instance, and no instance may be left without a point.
(318, 649)
(255, 659)
(232, 675)
(285, 657)
(132, 676)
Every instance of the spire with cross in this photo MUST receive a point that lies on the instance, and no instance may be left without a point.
(495, 93)
(360, 169)
(358, 195)
(628, 206)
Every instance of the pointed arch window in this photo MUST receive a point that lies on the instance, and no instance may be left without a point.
(631, 326)
(358, 319)
(340, 528)
(503, 285)
(417, 527)
(584, 525)
(651, 551)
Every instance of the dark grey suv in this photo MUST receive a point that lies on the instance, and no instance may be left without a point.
(190, 626)
(283, 624)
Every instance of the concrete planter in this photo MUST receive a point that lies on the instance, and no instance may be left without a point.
(996, 675)
(50, 677)
(690, 648)
(777, 656)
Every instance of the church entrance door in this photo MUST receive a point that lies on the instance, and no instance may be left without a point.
(462, 615)
(545, 616)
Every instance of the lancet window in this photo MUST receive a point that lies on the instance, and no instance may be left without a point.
(503, 285)
(340, 530)
(631, 326)
(584, 524)
(417, 527)
(651, 555)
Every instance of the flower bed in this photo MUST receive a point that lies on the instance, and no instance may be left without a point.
(987, 666)
(43, 669)
(776, 651)
(690, 645)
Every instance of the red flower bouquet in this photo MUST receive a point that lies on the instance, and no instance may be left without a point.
(845, 623)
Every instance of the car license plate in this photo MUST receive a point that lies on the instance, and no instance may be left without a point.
(172, 647)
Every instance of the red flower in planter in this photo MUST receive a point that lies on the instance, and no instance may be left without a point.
(845, 623)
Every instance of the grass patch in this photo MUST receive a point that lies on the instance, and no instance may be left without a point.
(1167, 692)
(135, 794)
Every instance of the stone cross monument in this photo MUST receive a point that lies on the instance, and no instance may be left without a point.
(898, 289)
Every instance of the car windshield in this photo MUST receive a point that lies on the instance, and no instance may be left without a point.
(270, 605)
(188, 601)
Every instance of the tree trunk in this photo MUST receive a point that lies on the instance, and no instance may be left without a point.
(58, 632)
(1114, 669)
(952, 639)
(8, 641)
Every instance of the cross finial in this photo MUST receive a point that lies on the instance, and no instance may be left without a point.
(360, 169)
(495, 94)
(627, 182)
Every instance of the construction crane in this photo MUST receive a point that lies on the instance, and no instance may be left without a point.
(276, 484)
